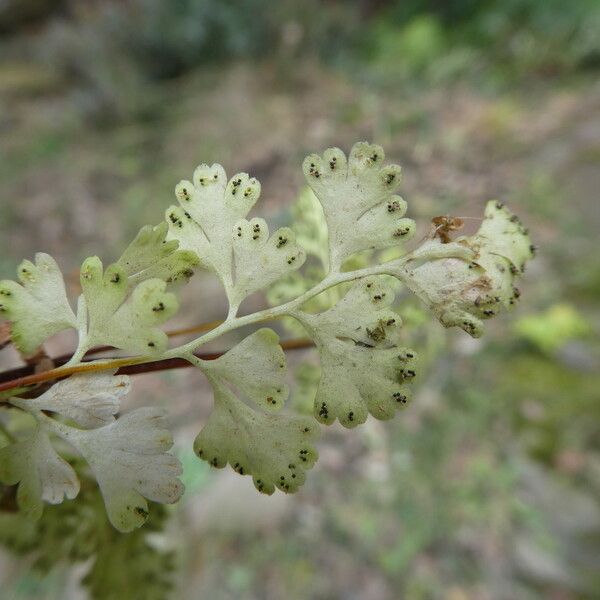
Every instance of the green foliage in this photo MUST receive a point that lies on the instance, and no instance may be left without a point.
(128, 566)
(495, 39)
(420, 43)
(537, 36)
(550, 330)
(111, 56)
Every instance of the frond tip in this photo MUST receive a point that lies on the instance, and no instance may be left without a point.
(473, 278)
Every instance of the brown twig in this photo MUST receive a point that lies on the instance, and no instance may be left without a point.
(131, 365)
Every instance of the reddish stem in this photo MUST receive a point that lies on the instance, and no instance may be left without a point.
(24, 376)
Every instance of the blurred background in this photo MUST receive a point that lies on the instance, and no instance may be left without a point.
(487, 487)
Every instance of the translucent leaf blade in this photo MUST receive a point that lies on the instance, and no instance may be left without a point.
(150, 255)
